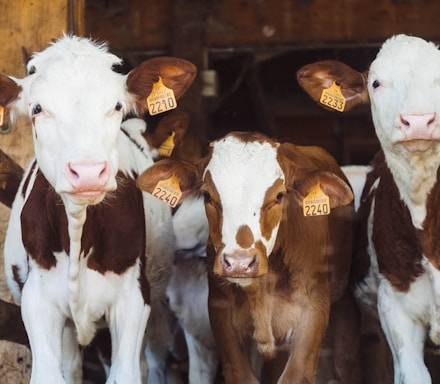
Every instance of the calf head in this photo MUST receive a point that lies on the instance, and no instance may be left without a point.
(402, 85)
(76, 102)
(247, 181)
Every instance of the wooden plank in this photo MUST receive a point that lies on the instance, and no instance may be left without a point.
(145, 24)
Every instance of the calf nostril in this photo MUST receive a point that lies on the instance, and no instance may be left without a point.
(403, 121)
(103, 170)
(432, 120)
(253, 263)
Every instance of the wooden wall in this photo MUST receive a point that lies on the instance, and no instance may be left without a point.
(147, 24)
(255, 47)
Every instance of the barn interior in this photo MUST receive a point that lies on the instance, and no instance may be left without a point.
(247, 53)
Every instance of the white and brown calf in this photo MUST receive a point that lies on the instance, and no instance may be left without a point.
(82, 238)
(273, 273)
(398, 214)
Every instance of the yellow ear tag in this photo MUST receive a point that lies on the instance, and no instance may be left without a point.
(316, 203)
(161, 98)
(2, 112)
(333, 98)
(168, 191)
(167, 147)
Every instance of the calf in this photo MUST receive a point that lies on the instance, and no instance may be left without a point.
(187, 290)
(398, 259)
(272, 271)
(82, 239)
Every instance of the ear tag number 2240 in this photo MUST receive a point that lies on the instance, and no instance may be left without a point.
(316, 203)
(168, 191)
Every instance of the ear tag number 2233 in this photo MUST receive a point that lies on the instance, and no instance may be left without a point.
(161, 98)
(168, 191)
(316, 203)
(333, 98)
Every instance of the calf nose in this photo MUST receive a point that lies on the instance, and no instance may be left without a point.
(241, 264)
(88, 176)
(418, 126)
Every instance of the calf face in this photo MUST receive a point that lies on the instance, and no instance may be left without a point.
(402, 85)
(245, 180)
(76, 102)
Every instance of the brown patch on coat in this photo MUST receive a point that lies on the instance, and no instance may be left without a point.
(398, 249)
(113, 234)
(272, 209)
(244, 237)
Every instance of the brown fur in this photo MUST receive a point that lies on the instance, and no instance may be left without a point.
(44, 226)
(306, 272)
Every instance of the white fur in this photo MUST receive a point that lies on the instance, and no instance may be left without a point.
(78, 92)
(356, 175)
(407, 71)
(242, 200)
(188, 290)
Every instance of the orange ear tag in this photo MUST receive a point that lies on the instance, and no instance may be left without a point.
(316, 203)
(168, 191)
(333, 98)
(2, 112)
(161, 98)
(167, 147)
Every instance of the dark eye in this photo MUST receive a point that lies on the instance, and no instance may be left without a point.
(376, 84)
(279, 197)
(118, 106)
(32, 70)
(36, 109)
(206, 197)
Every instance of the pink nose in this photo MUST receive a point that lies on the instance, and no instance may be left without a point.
(418, 127)
(88, 176)
(241, 264)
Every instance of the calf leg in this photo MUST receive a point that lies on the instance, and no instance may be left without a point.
(44, 325)
(127, 320)
(346, 321)
(405, 336)
(72, 356)
(203, 361)
(306, 344)
(235, 363)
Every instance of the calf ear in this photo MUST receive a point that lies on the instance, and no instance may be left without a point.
(177, 74)
(316, 77)
(9, 90)
(176, 122)
(9, 94)
(185, 172)
(334, 187)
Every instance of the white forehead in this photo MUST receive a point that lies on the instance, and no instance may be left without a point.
(76, 67)
(243, 171)
(404, 57)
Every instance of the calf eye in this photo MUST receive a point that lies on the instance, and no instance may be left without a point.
(279, 197)
(118, 106)
(206, 197)
(36, 109)
(376, 84)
